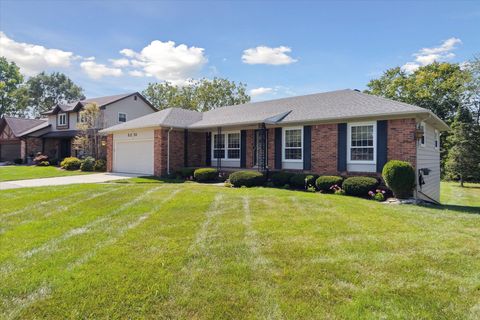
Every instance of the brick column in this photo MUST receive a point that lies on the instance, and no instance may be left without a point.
(401, 144)
(324, 148)
(110, 152)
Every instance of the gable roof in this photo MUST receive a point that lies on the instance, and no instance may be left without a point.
(327, 106)
(21, 125)
(100, 101)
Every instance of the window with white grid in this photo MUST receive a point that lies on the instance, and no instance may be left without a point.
(292, 144)
(362, 142)
(226, 146)
(233, 150)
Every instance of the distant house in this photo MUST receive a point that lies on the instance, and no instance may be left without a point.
(341, 132)
(12, 146)
(53, 136)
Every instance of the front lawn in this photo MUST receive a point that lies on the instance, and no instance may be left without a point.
(452, 193)
(9, 173)
(183, 251)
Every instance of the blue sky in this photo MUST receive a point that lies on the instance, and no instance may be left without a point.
(277, 48)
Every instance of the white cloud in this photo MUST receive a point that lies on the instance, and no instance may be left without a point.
(259, 91)
(429, 55)
(97, 70)
(166, 61)
(120, 63)
(136, 73)
(267, 55)
(32, 58)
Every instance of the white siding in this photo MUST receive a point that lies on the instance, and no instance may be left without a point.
(133, 108)
(429, 157)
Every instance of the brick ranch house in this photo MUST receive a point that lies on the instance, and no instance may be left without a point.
(343, 132)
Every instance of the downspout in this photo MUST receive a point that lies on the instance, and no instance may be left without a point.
(168, 150)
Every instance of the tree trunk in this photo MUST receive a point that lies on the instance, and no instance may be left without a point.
(461, 181)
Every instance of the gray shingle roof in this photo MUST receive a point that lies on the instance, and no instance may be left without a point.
(21, 125)
(334, 105)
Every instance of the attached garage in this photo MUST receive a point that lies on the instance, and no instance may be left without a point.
(10, 151)
(133, 152)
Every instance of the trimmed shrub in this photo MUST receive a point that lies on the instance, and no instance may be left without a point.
(88, 164)
(43, 164)
(247, 179)
(400, 177)
(281, 178)
(185, 173)
(18, 161)
(324, 183)
(40, 158)
(205, 174)
(71, 163)
(297, 181)
(359, 186)
(100, 165)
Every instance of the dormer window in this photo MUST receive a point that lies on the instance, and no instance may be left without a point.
(135, 98)
(122, 117)
(62, 119)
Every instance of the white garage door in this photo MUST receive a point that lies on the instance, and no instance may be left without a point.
(133, 156)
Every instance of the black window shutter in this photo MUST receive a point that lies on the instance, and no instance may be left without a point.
(243, 148)
(208, 155)
(382, 132)
(185, 147)
(307, 148)
(342, 147)
(278, 148)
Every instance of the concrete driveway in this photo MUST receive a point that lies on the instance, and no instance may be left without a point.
(59, 181)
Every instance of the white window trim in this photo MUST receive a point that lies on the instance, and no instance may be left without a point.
(60, 116)
(424, 127)
(283, 143)
(437, 140)
(118, 117)
(349, 142)
(226, 133)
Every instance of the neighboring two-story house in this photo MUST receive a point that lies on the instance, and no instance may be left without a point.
(54, 137)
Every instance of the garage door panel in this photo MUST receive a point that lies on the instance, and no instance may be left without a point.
(9, 151)
(133, 156)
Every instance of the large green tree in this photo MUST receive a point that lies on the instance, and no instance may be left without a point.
(10, 81)
(47, 90)
(201, 95)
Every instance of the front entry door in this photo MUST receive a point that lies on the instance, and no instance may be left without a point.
(65, 148)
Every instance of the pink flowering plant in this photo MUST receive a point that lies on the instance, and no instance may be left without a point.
(378, 195)
(336, 189)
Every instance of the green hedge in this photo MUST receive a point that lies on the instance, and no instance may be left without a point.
(359, 186)
(400, 177)
(71, 163)
(324, 183)
(247, 179)
(88, 164)
(185, 173)
(100, 165)
(281, 178)
(297, 181)
(205, 174)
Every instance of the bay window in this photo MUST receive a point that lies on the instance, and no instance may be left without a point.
(293, 144)
(226, 146)
(361, 142)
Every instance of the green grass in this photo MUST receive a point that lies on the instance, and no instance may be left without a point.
(10, 173)
(189, 251)
(453, 194)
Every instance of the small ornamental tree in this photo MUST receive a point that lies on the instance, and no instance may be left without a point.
(88, 139)
(400, 177)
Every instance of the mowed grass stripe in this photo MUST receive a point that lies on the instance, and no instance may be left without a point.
(130, 278)
(29, 278)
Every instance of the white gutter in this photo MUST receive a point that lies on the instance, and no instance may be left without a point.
(168, 150)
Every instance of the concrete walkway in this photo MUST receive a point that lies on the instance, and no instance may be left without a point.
(59, 181)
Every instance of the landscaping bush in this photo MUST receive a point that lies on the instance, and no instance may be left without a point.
(185, 173)
(297, 181)
(325, 183)
(400, 177)
(88, 164)
(100, 165)
(281, 178)
(247, 179)
(359, 186)
(40, 158)
(71, 163)
(18, 161)
(205, 174)
(43, 164)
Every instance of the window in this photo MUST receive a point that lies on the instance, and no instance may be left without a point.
(361, 142)
(135, 98)
(293, 144)
(422, 139)
(230, 149)
(122, 117)
(437, 139)
(62, 119)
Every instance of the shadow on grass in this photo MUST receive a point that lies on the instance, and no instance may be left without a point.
(456, 208)
(150, 179)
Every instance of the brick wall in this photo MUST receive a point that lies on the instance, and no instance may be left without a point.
(52, 147)
(401, 144)
(324, 148)
(32, 146)
(160, 149)
(110, 152)
(271, 149)
(196, 149)
(250, 145)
